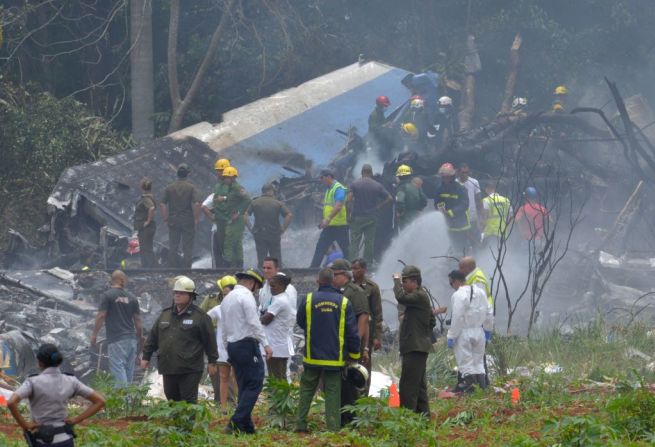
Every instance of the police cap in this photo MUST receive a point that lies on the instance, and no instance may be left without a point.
(341, 265)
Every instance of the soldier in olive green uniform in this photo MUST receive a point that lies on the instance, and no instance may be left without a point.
(182, 335)
(415, 338)
(144, 224)
(374, 298)
(180, 209)
(410, 200)
(267, 230)
(221, 218)
(236, 201)
(359, 299)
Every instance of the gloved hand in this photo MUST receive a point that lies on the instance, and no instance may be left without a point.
(451, 343)
(487, 336)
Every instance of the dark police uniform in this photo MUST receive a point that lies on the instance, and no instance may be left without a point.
(359, 300)
(182, 342)
(415, 343)
(146, 234)
(375, 330)
(180, 196)
(331, 337)
(266, 230)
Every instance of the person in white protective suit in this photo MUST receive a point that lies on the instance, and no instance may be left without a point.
(471, 326)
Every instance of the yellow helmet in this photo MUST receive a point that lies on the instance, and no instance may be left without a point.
(410, 129)
(222, 164)
(230, 171)
(403, 170)
(561, 90)
(227, 280)
(557, 107)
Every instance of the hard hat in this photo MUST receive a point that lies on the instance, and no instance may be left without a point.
(558, 107)
(357, 375)
(531, 192)
(383, 101)
(519, 102)
(445, 101)
(411, 271)
(416, 103)
(133, 246)
(184, 284)
(225, 281)
(561, 90)
(403, 170)
(410, 129)
(230, 171)
(252, 273)
(222, 164)
(447, 169)
(341, 265)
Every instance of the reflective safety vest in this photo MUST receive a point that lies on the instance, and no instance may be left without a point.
(329, 204)
(498, 209)
(478, 277)
(330, 329)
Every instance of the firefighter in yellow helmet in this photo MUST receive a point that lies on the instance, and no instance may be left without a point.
(410, 199)
(214, 208)
(560, 96)
(236, 202)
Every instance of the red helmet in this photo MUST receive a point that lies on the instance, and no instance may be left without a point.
(133, 247)
(383, 101)
(416, 97)
(447, 169)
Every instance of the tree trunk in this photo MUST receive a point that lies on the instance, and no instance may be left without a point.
(513, 72)
(181, 105)
(141, 70)
(472, 66)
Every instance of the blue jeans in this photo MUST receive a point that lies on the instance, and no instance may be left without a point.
(122, 355)
(245, 357)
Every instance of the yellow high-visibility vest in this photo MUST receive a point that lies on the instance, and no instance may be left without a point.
(328, 205)
(498, 208)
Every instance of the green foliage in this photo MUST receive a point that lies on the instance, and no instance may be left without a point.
(282, 398)
(579, 431)
(41, 136)
(390, 426)
(462, 418)
(122, 401)
(633, 413)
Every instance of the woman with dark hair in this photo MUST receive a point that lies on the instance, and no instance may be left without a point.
(48, 394)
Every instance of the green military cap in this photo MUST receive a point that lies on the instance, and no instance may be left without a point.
(411, 271)
(341, 264)
(183, 169)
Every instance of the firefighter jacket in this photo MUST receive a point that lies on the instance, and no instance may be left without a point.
(330, 327)
(455, 200)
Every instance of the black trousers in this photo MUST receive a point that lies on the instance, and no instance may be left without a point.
(413, 385)
(184, 234)
(245, 357)
(146, 238)
(268, 247)
(182, 387)
(338, 234)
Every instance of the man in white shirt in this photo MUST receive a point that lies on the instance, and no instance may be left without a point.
(278, 321)
(475, 201)
(270, 268)
(242, 335)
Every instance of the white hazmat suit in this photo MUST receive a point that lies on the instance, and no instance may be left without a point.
(471, 316)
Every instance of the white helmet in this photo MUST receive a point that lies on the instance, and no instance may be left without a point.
(184, 284)
(357, 375)
(519, 101)
(445, 101)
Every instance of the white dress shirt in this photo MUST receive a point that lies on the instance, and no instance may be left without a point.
(240, 317)
(215, 314)
(266, 297)
(279, 329)
(472, 188)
